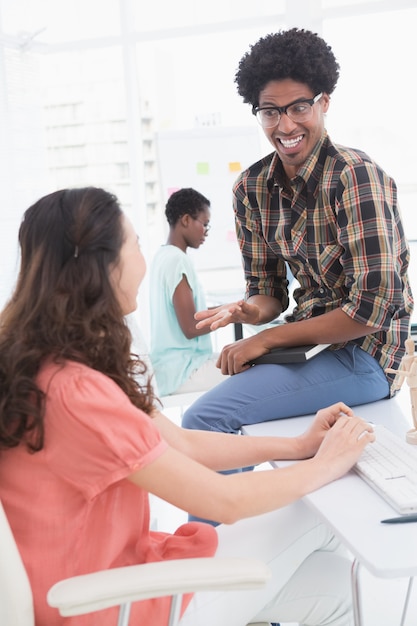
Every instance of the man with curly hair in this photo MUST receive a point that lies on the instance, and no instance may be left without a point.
(329, 214)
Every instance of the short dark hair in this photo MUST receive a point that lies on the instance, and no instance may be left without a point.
(298, 54)
(186, 201)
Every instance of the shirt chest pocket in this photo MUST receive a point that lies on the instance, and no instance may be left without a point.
(328, 265)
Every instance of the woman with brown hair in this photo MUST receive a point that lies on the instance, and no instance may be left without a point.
(82, 444)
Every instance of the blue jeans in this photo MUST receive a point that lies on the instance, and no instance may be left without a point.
(271, 392)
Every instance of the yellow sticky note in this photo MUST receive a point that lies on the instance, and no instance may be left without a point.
(234, 166)
(203, 168)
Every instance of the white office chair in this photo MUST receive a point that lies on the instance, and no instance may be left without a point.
(119, 586)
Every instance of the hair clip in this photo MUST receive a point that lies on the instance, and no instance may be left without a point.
(76, 252)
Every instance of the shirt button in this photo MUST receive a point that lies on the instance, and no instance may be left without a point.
(321, 290)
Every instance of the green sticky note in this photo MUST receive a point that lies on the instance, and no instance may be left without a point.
(203, 168)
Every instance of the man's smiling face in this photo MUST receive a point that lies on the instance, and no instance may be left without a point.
(293, 141)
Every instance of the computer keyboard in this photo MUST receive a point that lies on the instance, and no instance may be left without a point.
(389, 466)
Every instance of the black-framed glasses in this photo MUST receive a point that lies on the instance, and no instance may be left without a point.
(206, 225)
(298, 111)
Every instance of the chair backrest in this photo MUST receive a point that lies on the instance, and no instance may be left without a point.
(16, 603)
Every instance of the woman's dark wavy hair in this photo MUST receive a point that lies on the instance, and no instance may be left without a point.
(186, 201)
(64, 307)
(298, 54)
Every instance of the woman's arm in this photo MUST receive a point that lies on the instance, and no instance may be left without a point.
(184, 307)
(221, 451)
(188, 484)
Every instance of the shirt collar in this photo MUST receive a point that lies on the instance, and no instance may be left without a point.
(312, 168)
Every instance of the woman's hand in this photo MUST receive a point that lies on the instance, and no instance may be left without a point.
(312, 438)
(343, 444)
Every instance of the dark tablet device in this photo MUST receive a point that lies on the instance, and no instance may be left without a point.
(296, 354)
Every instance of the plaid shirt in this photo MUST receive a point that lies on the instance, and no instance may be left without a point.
(338, 227)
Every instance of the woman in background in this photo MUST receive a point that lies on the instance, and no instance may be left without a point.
(82, 446)
(181, 354)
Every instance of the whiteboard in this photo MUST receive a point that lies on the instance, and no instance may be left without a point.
(209, 160)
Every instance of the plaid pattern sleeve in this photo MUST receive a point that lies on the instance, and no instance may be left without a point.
(265, 272)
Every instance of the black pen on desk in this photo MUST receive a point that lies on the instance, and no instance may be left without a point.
(403, 519)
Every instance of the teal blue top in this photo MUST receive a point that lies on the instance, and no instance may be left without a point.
(173, 356)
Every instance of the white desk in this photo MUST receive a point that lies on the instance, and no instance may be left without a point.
(353, 510)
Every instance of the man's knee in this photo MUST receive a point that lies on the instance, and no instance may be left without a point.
(192, 421)
(195, 419)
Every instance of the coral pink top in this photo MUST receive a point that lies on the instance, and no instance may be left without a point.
(70, 506)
